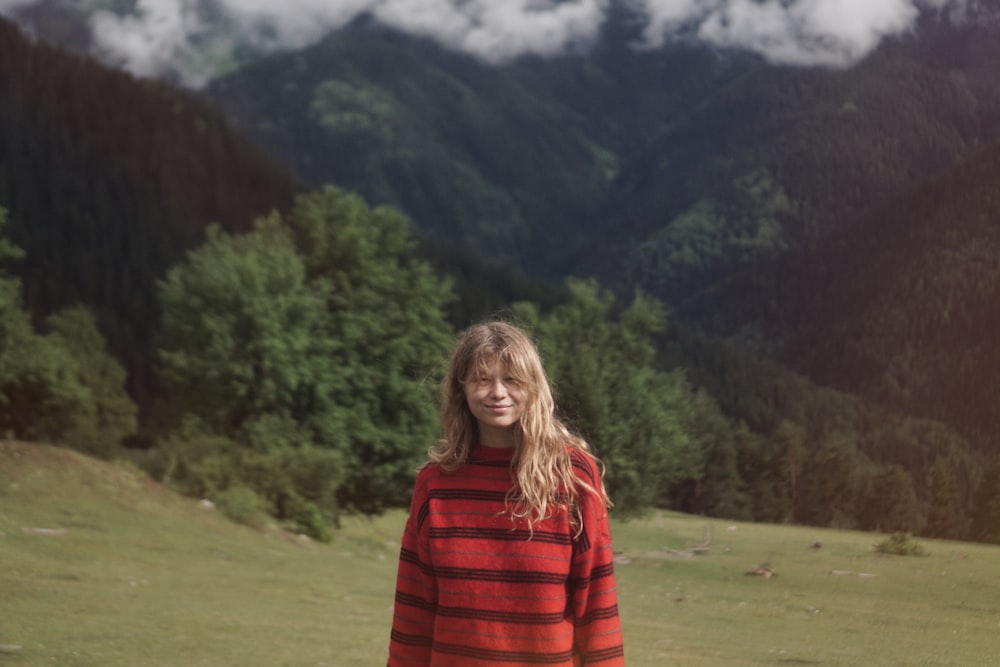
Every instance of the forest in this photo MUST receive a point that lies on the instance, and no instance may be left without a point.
(176, 292)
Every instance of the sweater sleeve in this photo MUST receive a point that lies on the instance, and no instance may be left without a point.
(597, 628)
(415, 604)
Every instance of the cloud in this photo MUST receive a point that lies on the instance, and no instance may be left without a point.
(790, 32)
(498, 30)
(196, 39)
(9, 6)
(191, 36)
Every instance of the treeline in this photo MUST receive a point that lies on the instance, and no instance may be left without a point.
(301, 359)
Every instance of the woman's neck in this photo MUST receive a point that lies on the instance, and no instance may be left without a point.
(498, 438)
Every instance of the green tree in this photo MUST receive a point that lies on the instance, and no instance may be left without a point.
(389, 338)
(246, 358)
(635, 417)
(986, 506)
(946, 516)
(40, 393)
(110, 414)
(889, 502)
(243, 334)
(724, 491)
(829, 486)
(310, 344)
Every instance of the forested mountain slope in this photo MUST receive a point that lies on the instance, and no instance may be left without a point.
(108, 179)
(667, 169)
(786, 208)
(899, 306)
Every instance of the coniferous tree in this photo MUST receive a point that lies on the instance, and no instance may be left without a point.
(889, 502)
(986, 506)
(946, 516)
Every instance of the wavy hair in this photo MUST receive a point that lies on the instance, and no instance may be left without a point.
(542, 463)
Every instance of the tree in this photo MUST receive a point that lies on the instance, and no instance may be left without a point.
(389, 338)
(635, 417)
(39, 388)
(986, 506)
(946, 515)
(109, 414)
(889, 502)
(242, 333)
(245, 353)
(829, 485)
(311, 338)
(724, 490)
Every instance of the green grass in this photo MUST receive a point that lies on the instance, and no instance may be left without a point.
(144, 577)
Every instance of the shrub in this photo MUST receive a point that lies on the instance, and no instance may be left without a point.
(241, 504)
(899, 544)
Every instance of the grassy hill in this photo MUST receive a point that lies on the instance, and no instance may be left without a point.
(101, 566)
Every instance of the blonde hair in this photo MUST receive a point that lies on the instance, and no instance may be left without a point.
(542, 464)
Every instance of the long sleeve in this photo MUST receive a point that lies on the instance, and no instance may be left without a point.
(597, 633)
(415, 605)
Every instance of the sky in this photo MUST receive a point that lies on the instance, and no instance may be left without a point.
(192, 36)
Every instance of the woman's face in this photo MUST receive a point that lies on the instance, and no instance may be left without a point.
(496, 400)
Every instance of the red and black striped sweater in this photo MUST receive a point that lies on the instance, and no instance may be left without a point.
(476, 589)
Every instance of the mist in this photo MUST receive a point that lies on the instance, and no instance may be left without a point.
(194, 40)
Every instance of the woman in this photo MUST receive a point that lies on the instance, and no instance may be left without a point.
(506, 555)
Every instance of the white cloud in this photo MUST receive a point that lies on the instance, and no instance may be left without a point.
(159, 34)
(9, 6)
(497, 30)
(195, 37)
(799, 32)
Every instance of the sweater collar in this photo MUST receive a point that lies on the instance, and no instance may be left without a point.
(484, 453)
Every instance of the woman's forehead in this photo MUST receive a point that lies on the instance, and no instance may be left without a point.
(500, 361)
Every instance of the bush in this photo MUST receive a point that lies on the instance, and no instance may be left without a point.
(241, 504)
(899, 544)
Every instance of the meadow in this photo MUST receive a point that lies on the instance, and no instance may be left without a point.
(102, 567)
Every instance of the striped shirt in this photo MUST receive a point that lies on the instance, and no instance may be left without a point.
(476, 589)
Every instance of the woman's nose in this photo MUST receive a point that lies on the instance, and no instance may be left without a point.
(498, 388)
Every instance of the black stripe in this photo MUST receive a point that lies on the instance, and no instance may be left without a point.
(605, 654)
(488, 463)
(583, 463)
(505, 576)
(466, 494)
(499, 534)
(415, 601)
(503, 656)
(501, 616)
(602, 614)
(411, 640)
(410, 556)
(599, 572)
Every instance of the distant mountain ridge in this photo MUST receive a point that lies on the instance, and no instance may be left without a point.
(711, 180)
(668, 170)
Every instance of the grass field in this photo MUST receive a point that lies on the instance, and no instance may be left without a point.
(100, 567)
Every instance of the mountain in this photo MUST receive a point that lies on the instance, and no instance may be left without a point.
(666, 169)
(108, 179)
(900, 306)
(801, 212)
